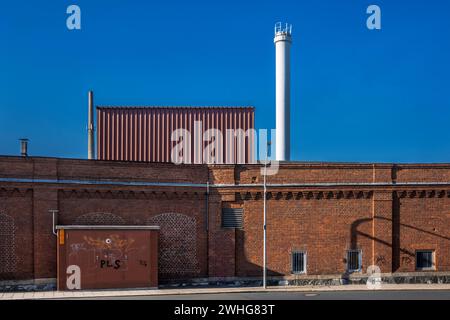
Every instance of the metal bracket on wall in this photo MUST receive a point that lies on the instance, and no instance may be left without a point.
(54, 213)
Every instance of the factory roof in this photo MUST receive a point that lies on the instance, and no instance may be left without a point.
(177, 107)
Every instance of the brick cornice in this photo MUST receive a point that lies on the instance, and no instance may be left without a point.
(429, 193)
(127, 194)
(15, 192)
(340, 194)
(305, 194)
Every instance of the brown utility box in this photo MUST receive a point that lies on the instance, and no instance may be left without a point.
(107, 257)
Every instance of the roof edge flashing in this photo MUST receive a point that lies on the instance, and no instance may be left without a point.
(105, 227)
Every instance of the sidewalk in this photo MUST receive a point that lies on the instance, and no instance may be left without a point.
(161, 292)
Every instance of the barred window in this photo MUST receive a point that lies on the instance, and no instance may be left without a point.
(298, 262)
(232, 218)
(424, 259)
(354, 260)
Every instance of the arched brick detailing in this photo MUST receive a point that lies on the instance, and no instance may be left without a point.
(8, 262)
(98, 218)
(177, 245)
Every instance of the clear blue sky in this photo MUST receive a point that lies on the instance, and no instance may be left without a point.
(357, 95)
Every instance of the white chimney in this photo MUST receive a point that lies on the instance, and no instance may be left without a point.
(283, 42)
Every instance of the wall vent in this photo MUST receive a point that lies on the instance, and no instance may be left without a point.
(232, 218)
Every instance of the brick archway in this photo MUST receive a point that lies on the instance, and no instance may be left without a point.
(8, 261)
(177, 245)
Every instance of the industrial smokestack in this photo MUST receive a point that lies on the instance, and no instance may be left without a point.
(91, 143)
(283, 42)
(24, 147)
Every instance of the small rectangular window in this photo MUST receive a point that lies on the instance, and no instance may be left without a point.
(424, 259)
(232, 218)
(354, 260)
(298, 262)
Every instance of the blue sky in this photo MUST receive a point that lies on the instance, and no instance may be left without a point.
(357, 95)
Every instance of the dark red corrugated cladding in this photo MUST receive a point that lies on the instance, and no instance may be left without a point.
(144, 133)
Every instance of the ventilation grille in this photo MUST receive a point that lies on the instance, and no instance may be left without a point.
(232, 218)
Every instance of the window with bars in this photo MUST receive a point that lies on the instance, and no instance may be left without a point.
(354, 260)
(298, 262)
(424, 259)
(232, 218)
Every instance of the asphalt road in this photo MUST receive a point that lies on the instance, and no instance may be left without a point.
(326, 295)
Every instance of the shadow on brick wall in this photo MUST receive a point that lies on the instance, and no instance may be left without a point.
(395, 245)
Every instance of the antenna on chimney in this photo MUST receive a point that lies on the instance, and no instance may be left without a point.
(24, 147)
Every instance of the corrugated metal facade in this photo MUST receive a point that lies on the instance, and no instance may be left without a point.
(145, 133)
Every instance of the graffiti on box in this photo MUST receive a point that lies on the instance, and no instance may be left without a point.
(110, 252)
(107, 259)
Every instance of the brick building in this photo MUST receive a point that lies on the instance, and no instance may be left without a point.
(324, 220)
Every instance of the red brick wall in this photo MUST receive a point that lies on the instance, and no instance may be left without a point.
(16, 234)
(222, 243)
(132, 211)
(381, 234)
(324, 228)
(424, 224)
(387, 221)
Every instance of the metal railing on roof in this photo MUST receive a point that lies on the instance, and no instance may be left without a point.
(283, 28)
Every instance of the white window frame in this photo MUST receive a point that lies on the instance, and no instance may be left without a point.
(433, 260)
(359, 260)
(305, 259)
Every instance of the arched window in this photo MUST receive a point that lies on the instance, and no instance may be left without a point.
(177, 245)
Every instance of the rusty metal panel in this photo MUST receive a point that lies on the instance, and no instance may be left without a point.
(144, 133)
(107, 257)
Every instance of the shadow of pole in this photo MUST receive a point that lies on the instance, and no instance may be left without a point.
(396, 226)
